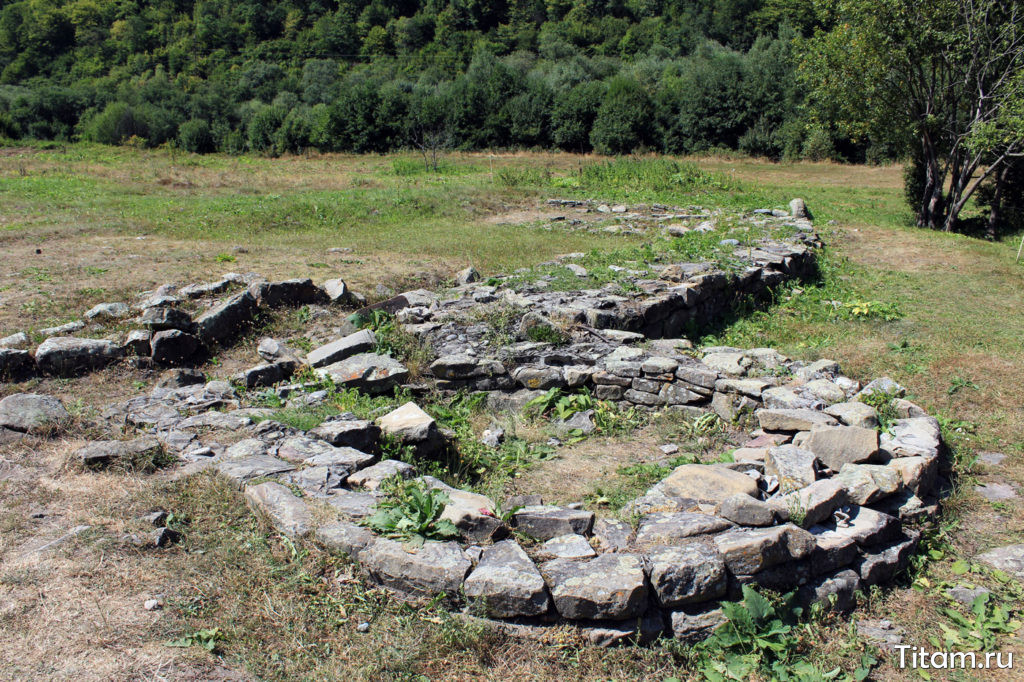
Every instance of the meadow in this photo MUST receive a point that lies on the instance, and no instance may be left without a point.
(83, 224)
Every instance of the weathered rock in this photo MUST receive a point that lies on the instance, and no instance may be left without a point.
(32, 413)
(370, 372)
(749, 387)
(137, 343)
(345, 430)
(66, 356)
(1009, 559)
(867, 527)
(353, 505)
(694, 624)
(273, 350)
(178, 378)
(913, 437)
(793, 466)
(411, 426)
(248, 468)
(883, 566)
(338, 292)
(812, 504)
(733, 364)
(854, 414)
(746, 511)
(465, 366)
(545, 521)
(538, 378)
(62, 330)
(371, 477)
(671, 527)
(287, 513)
(707, 483)
(106, 312)
(798, 209)
(637, 631)
(361, 341)
(508, 583)
(570, 546)
(467, 276)
(819, 369)
(315, 480)
(832, 592)
(867, 483)
(18, 341)
(611, 535)
(345, 537)
(792, 420)
(172, 347)
(611, 586)
(883, 385)
(918, 473)
(839, 445)
(471, 513)
(749, 550)
(784, 398)
(98, 453)
(227, 319)
(993, 492)
(690, 572)
(15, 365)
(163, 318)
(288, 292)
(434, 569)
(833, 550)
(265, 375)
(208, 289)
(825, 390)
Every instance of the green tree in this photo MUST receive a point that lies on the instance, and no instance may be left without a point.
(623, 122)
(940, 79)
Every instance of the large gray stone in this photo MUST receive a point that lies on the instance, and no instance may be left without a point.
(371, 477)
(345, 537)
(338, 292)
(1009, 559)
(570, 546)
(812, 504)
(18, 341)
(347, 431)
(369, 372)
(546, 521)
(707, 483)
(854, 414)
(98, 453)
(794, 467)
(832, 592)
(287, 513)
(361, 341)
(471, 513)
(694, 624)
(66, 355)
(838, 445)
(882, 566)
(227, 319)
(411, 426)
(32, 413)
(866, 483)
(352, 505)
(508, 583)
(287, 292)
(248, 468)
(611, 535)
(15, 365)
(865, 526)
(746, 511)
(267, 374)
(108, 312)
(792, 420)
(611, 586)
(920, 436)
(687, 573)
(161, 318)
(749, 550)
(671, 527)
(434, 569)
(172, 347)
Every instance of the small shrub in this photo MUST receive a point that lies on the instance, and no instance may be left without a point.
(884, 403)
(195, 136)
(411, 512)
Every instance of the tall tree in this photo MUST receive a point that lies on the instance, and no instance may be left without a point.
(938, 78)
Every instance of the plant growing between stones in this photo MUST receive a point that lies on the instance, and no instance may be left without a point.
(884, 403)
(411, 512)
(206, 638)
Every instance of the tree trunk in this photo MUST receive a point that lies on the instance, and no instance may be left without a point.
(997, 204)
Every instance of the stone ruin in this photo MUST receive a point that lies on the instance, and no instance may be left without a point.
(818, 500)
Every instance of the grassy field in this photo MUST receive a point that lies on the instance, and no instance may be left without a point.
(85, 224)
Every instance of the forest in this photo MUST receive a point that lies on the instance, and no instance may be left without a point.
(615, 76)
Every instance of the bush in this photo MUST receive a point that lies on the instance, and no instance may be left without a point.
(117, 123)
(818, 145)
(623, 121)
(573, 115)
(194, 136)
(261, 133)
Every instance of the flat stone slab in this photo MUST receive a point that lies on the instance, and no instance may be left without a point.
(812, 504)
(882, 566)
(32, 413)
(434, 569)
(351, 504)
(749, 550)
(508, 583)
(693, 571)
(867, 527)
(792, 420)
(835, 446)
(671, 527)
(996, 492)
(102, 452)
(746, 511)
(362, 341)
(367, 371)
(1009, 559)
(347, 431)
(793, 466)
(287, 513)
(68, 356)
(854, 414)
(371, 477)
(707, 483)
(248, 468)
(567, 547)
(692, 625)
(866, 483)
(345, 537)
(611, 586)
(227, 319)
(340, 459)
(547, 521)
(910, 437)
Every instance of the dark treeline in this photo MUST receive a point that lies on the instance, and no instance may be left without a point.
(614, 76)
